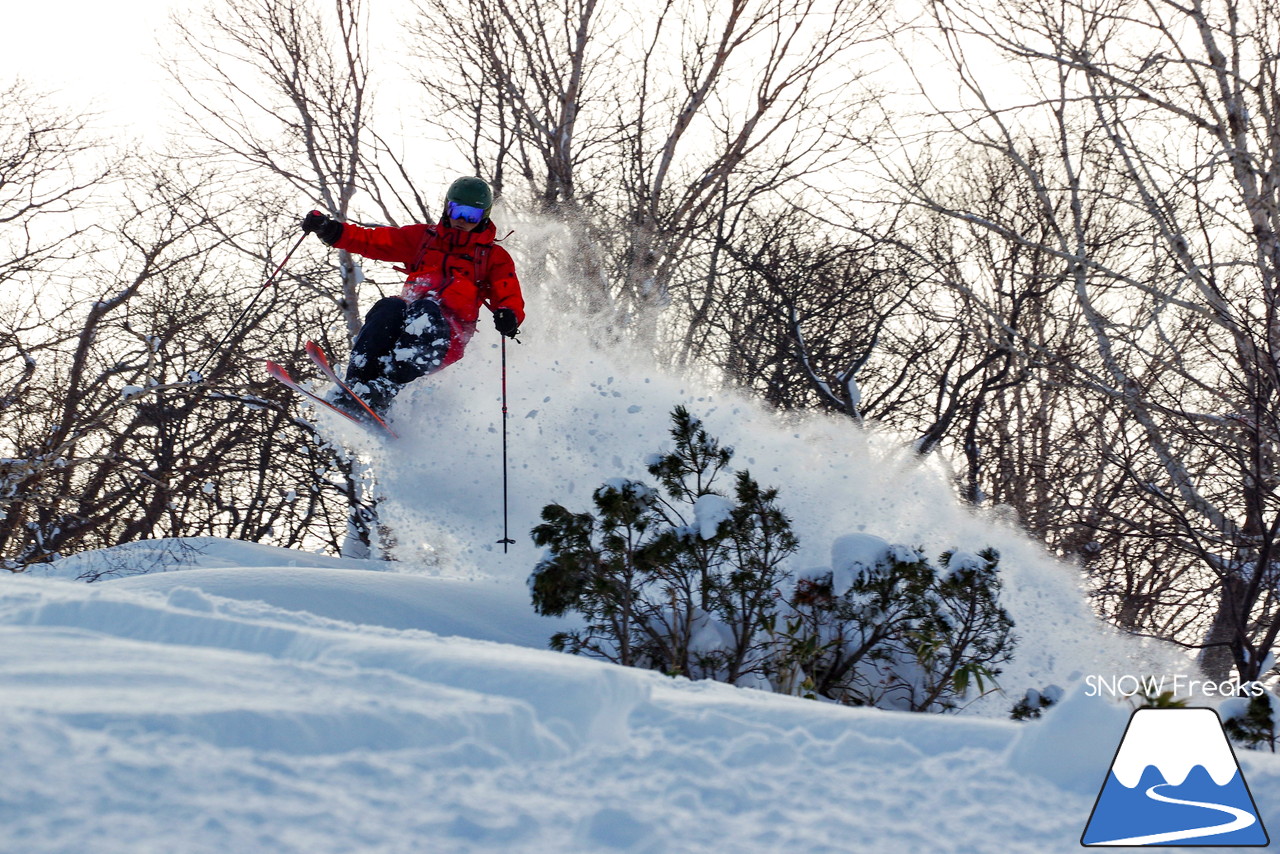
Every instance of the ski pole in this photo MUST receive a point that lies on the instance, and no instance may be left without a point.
(236, 323)
(506, 537)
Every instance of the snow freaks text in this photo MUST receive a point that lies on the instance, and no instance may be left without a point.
(1179, 685)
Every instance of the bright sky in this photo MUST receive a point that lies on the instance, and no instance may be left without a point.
(97, 56)
(105, 58)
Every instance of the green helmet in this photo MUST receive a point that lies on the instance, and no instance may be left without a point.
(471, 191)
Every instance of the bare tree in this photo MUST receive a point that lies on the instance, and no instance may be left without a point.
(50, 162)
(527, 96)
(797, 316)
(279, 91)
(640, 128)
(112, 441)
(1147, 132)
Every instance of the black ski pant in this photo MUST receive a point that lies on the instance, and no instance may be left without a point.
(400, 341)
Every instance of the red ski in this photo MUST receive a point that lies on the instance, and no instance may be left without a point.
(373, 421)
(322, 362)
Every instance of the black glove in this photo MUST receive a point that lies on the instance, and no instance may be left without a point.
(328, 230)
(504, 320)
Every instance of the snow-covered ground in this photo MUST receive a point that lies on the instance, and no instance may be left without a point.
(231, 697)
(297, 704)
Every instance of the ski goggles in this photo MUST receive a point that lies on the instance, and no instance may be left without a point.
(466, 213)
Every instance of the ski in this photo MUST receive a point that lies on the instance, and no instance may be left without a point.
(322, 362)
(281, 376)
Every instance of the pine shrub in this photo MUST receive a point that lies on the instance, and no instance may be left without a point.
(688, 576)
(681, 577)
(895, 631)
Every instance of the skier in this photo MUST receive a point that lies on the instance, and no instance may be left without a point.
(452, 268)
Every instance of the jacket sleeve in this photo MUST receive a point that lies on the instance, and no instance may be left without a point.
(504, 286)
(385, 243)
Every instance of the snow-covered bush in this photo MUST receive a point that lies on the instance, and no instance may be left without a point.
(681, 577)
(885, 627)
(689, 578)
(1034, 703)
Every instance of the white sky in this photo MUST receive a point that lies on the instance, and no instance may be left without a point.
(105, 59)
(97, 56)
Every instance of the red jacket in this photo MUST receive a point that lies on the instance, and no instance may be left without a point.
(461, 270)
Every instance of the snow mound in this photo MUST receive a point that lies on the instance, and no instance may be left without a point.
(171, 554)
(471, 609)
(282, 709)
(1082, 737)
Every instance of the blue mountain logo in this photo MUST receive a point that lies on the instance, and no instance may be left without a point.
(1175, 781)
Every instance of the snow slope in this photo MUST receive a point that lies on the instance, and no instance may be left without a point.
(152, 714)
(210, 696)
(295, 708)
